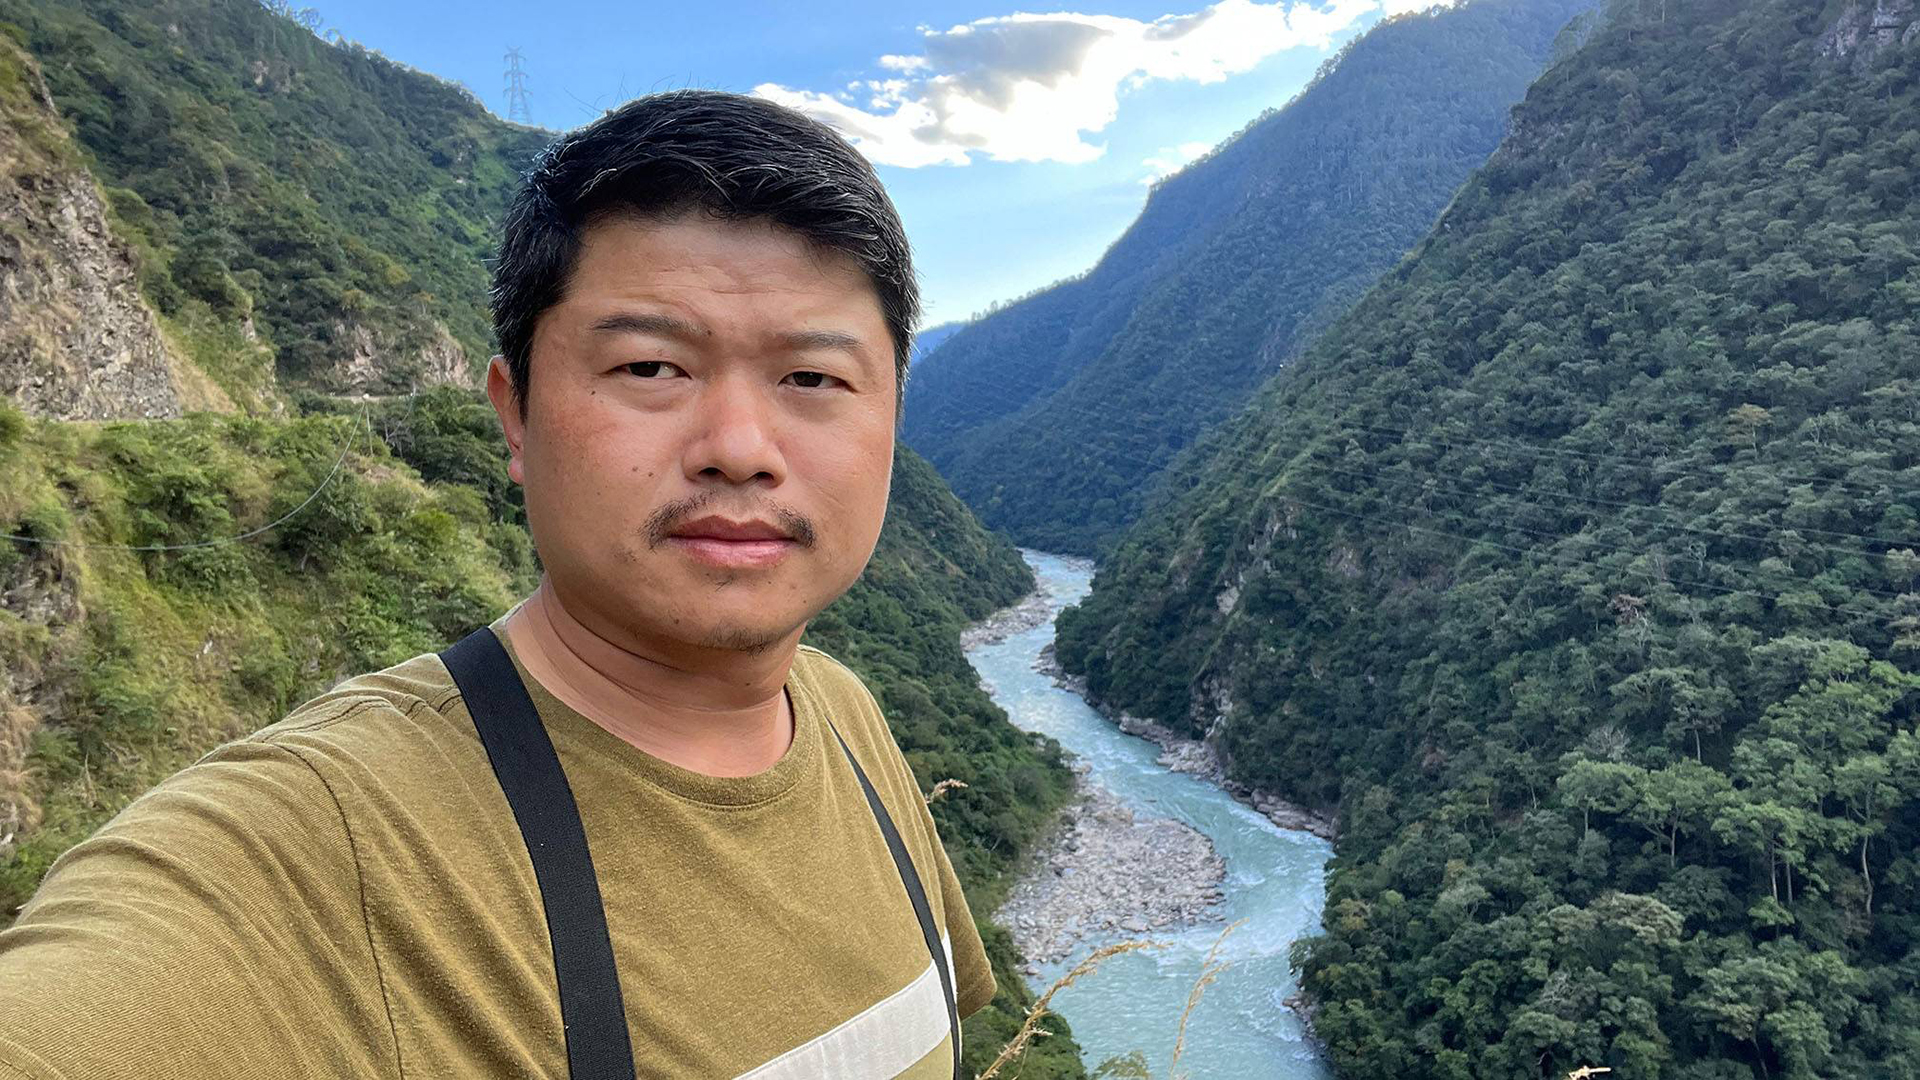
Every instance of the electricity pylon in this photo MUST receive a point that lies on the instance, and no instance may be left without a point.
(517, 108)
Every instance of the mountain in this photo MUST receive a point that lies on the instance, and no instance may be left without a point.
(1051, 416)
(306, 213)
(215, 222)
(77, 341)
(930, 339)
(1576, 565)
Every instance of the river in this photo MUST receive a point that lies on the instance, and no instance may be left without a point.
(1274, 881)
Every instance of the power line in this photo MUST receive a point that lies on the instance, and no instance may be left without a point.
(1411, 439)
(1138, 435)
(1216, 428)
(1890, 541)
(1134, 427)
(345, 447)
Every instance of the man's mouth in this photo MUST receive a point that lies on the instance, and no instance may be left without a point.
(720, 542)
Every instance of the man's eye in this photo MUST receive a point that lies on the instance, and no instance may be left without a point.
(648, 369)
(812, 380)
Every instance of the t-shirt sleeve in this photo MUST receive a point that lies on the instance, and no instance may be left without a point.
(212, 929)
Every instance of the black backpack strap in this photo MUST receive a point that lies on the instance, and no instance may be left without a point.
(529, 772)
(911, 879)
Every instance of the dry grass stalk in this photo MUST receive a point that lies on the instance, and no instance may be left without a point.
(1031, 1026)
(942, 788)
(19, 813)
(1210, 969)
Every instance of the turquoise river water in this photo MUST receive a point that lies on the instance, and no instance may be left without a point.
(1274, 881)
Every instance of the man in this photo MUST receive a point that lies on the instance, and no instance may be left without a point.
(704, 304)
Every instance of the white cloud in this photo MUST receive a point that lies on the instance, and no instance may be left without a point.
(1029, 87)
(1171, 159)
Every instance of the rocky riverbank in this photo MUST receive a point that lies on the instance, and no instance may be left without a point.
(1107, 873)
(1103, 872)
(1036, 609)
(1196, 758)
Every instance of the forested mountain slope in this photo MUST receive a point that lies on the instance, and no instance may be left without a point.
(1577, 563)
(931, 338)
(299, 205)
(77, 340)
(234, 124)
(1051, 415)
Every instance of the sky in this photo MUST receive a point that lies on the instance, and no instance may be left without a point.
(1017, 141)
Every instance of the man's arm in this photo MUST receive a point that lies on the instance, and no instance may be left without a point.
(973, 984)
(214, 928)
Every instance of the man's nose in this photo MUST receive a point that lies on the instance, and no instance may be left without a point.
(737, 431)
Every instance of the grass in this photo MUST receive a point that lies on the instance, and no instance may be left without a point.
(1030, 1028)
(1133, 1065)
(127, 665)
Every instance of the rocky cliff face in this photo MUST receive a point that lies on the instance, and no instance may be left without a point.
(380, 362)
(1867, 26)
(77, 341)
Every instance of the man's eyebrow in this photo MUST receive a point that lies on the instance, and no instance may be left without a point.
(642, 322)
(824, 339)
(637, 322)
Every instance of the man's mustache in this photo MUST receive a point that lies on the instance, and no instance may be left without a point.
(662, 522)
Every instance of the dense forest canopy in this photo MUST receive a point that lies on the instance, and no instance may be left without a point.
(1577, 565)
(1052, 415)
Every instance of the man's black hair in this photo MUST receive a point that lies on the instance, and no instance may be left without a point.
(730, 155)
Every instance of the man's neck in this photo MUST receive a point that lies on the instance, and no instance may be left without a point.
(722, 719)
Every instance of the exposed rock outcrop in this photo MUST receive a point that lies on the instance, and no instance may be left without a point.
(77, 340)
(1867, 26)
(375, 361)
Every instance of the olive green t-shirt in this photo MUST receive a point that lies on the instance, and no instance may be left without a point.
(346, 893)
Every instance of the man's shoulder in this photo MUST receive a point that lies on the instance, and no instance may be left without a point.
(392, 740)
(274, 807)
(371, 715)
(854, 711)
(844, 693)
(830, 673)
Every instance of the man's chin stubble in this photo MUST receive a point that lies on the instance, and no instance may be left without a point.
(744, 641)
(747, 641)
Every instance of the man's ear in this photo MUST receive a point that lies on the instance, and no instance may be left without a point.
(506, 404)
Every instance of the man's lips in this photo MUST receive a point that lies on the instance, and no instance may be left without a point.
(719, 528)
(733, 554)
(721, 542)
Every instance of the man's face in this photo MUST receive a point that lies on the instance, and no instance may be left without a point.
(702, 368)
